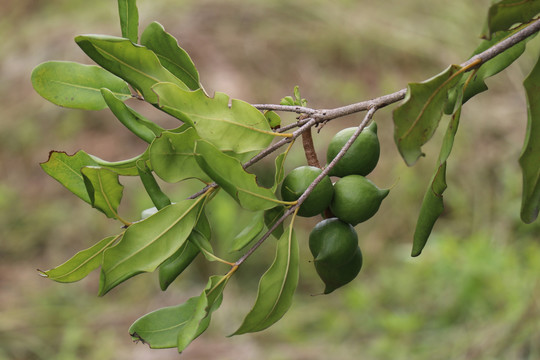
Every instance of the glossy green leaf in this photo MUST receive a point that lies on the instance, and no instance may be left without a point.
(104, 189)
(270, 218)
(504, 14)
(172, 156)
(252, 230)
(129, 19)
(418, 116)
(81, 264)
(207, 302)
(203, 244)
(136, 123)
(276, 287)
(432, 204)
(66, 169)
(529, 159)
(172, 57)
(228, 173)
(177, 263)
(76, 85)
(240, 127)
(135, 64)
(158, 197)
(148, 243)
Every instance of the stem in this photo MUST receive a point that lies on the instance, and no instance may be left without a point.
(309, 149)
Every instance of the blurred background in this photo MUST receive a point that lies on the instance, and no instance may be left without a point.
(472, 294)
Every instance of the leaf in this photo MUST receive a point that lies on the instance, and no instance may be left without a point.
(129, 19)
(162, 328)
(172, 57)
(486, 70)
(81, 264)
(177, 263)
(274, 120)
(280, 169)
(173, 158)
(248, 233)
(228, 173)
(66, 169)
(135, 64)
(504, 14)
(136, 123)
(418, 116)
(158, 197)
(239, 128)
(104, 189)
(208, 302)
(529, 159)
(276, 287)
(148, 243)
(76, 85)
(432, 205)
(273, 215)
(126, 167)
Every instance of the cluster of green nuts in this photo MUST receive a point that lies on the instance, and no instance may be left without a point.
(352, 199)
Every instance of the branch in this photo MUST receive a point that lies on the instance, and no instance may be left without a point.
(385, 100)
(309, 190)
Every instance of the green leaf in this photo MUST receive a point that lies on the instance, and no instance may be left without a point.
(135, 64)
(158, 197)
(76, 85)
(504, 14)
(172, 156)
(273, 215)
(287, 100)
(177, 263)
(159, 329)
(129, 19)
(208, 302)
(228, 173)
(172, 57)
(66, 169)
(254, 228)
(104, 189)
(177, 326)
(432, 205)
(418, 116)
(81, 264)
(529, 159)
(148, 243)
(136, 123)
(280, 170)
(491, 67)
(274, 120)
(276, 288)
(239, 128)
(126, 167)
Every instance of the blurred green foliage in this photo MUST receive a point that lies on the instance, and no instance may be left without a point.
(472, 293)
